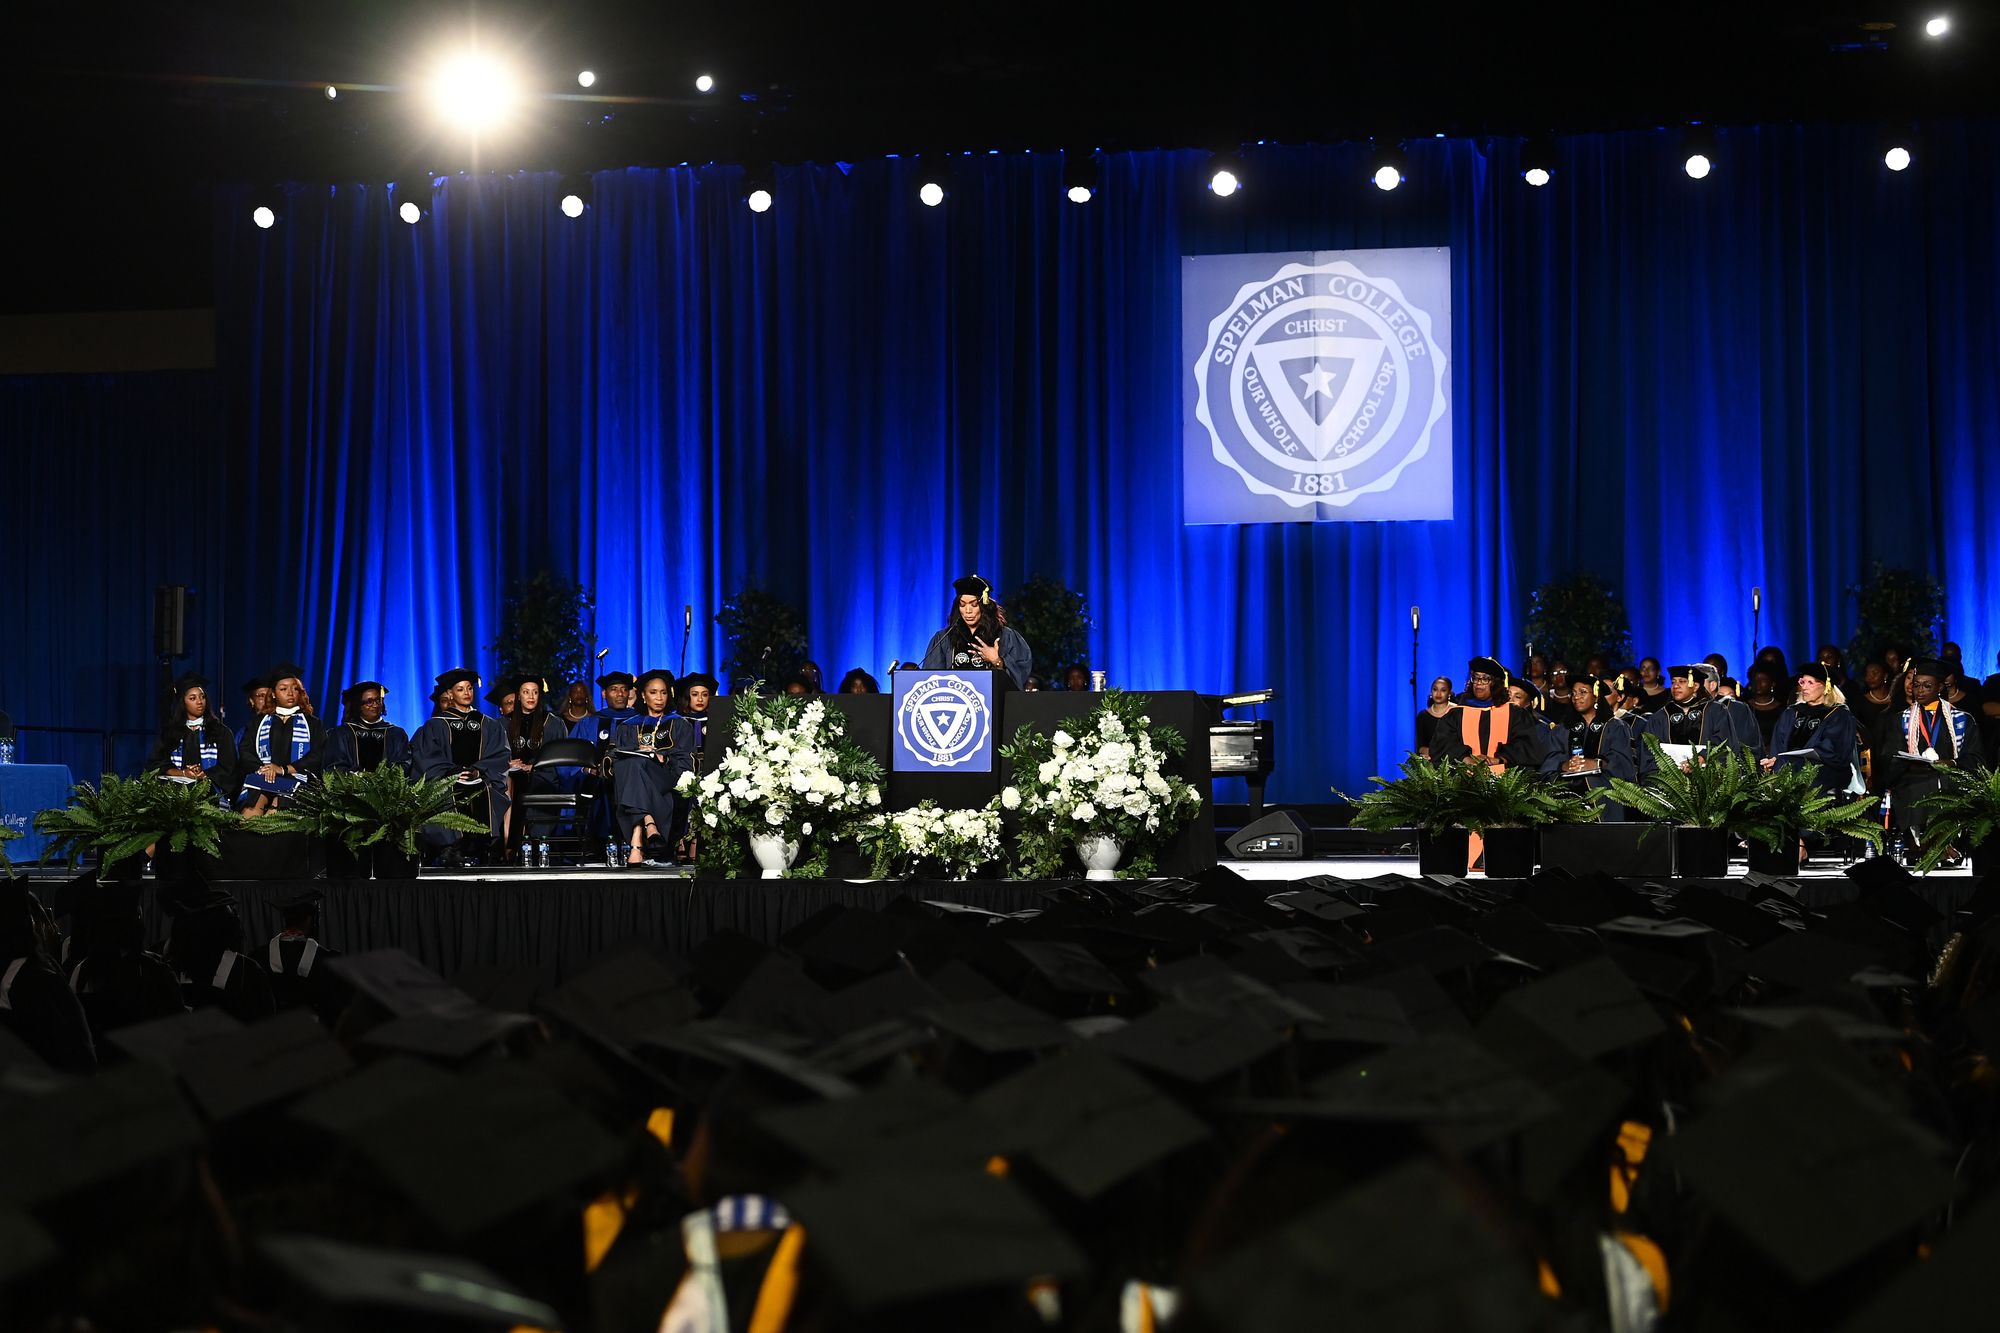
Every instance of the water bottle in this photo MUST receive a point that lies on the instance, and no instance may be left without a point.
(1097, 681)
(612, 859)
(542, 854)
(6, 749)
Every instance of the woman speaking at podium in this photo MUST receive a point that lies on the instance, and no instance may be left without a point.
(976, 637)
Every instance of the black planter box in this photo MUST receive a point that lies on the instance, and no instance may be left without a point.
(1640, 851)
(1701, 853)
(1445, 853)
(388, 862)
(1510, 852)
(1782, 864)
(250, 855)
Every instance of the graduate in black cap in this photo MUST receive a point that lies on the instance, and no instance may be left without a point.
(278, 749)
(365, 739)
(1820, 723)
(501, 696)
(1488, 728)
(204, 947)
(976, 636)
(36, 1004)
(107, 964)
(297, 962)
(1697, 715)
(193, 745)
(465, 745)
(256, 703)
(529, 727)
(654, 747)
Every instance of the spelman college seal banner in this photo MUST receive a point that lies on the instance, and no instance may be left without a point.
(1319, 388)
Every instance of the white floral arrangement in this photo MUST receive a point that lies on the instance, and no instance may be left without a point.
(790, 771)
(952, 843)
(1110, 779)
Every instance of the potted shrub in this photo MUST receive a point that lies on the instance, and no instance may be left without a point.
(1784, 804)
(1508, 811)
(1434, 797)
(1708, 804)
(121, 817)
(1964, 813)
(370, 820)
(7, 835)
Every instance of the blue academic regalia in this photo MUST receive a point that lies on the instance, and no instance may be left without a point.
(601, 727)
(350, 746)
(1016, 658)
(452, 743)
(1831, 737)
(641, 785)
(1714, 723)
(273, 739)
(526, 745)
(210, 744)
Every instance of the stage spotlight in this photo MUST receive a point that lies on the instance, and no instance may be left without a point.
(264, 216)
(409, 212)
(704, 83)
(1937, 27)
(331, 92)
(1897, 158)
(1079, 175)
(1224, 182)
(586, 78)
(1385, 169)
(474, 92)
(757, 192)
(572, 205)
(1698, 166)
(931, 193)
(1537, 176)
(1538, 161)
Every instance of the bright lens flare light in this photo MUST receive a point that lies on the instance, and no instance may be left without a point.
(585, 77)
(263, 217)
(1079, 194)
(932, 194)
(1698, 166)
(1897, 158)
(759, 201)
(1937, 27)
(1224, 183)
(409, 212)
(331, 92)
(1387, 178)
(704, 83)
(572, 205)
(474, 92)
(1536, 176)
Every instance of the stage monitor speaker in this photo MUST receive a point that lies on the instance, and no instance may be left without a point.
(170, 620)
(1279, 836)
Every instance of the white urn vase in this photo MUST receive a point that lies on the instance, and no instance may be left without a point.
(1099, 854)
(774, 856)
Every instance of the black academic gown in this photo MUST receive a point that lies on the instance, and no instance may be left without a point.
(1954, 734)
(444, 748)
(272, 739)
(123, 988)
(601, 727)
(230, 981)
(652, 753)
(1828, 732)
(301, 979)
(946, 653)
(180, 744)
(1529, 742)
(1713, 723)
(38, 1007)
(352, 747)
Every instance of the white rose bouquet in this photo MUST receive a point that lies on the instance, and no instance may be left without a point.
(790, 770)
(953, 843)
(1110, 780)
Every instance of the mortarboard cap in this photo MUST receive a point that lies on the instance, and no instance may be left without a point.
(610, 678)
(1406, 1250)
(1089, 1122)
(398, 982)
(484, 1147)
(1816, 670)
(622, 998)
(1069, 969)
(254, 684)
(159, 1041)
(189, 681)
(497, 696)
(973, 586)
(1189, 1044)
(1926, 666)
(700, 678)
(397, 1288)
(1590, 1009)
(1694, 671)
(891, 1238)
(450, 1035)
(91, 1132)
(447, 679)
(914, 1124)
(645, 677)
(1352, 1014)
(286, 671)
(512, 684)
(351, 696)
(1810, 1170)
(999, 1024)
(377, 1092)
(1953, 1288)
(259, 1065)
(1487, 666)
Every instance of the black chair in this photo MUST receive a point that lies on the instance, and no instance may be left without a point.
(544, 812)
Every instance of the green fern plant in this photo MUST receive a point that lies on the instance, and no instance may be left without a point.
(1784, 802)
(1437, 794)
(1963, 813)
(122, 817)
(376, 805)
(1711, 794)
(7, 835)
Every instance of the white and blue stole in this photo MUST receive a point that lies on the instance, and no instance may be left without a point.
(300, 747)
(210, 751)
(1920, 740)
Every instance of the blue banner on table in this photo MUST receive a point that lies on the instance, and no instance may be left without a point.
(944, 722)
(1316, 387)
(25, 791)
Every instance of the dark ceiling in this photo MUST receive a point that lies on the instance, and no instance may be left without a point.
(142, 109)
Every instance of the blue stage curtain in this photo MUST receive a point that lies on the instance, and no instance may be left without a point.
(1768, 378)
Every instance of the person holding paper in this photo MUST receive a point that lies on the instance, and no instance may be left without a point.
(654, 747)
(1697, 719)
(1818, 730)
(192, 746)
(1911, 743)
